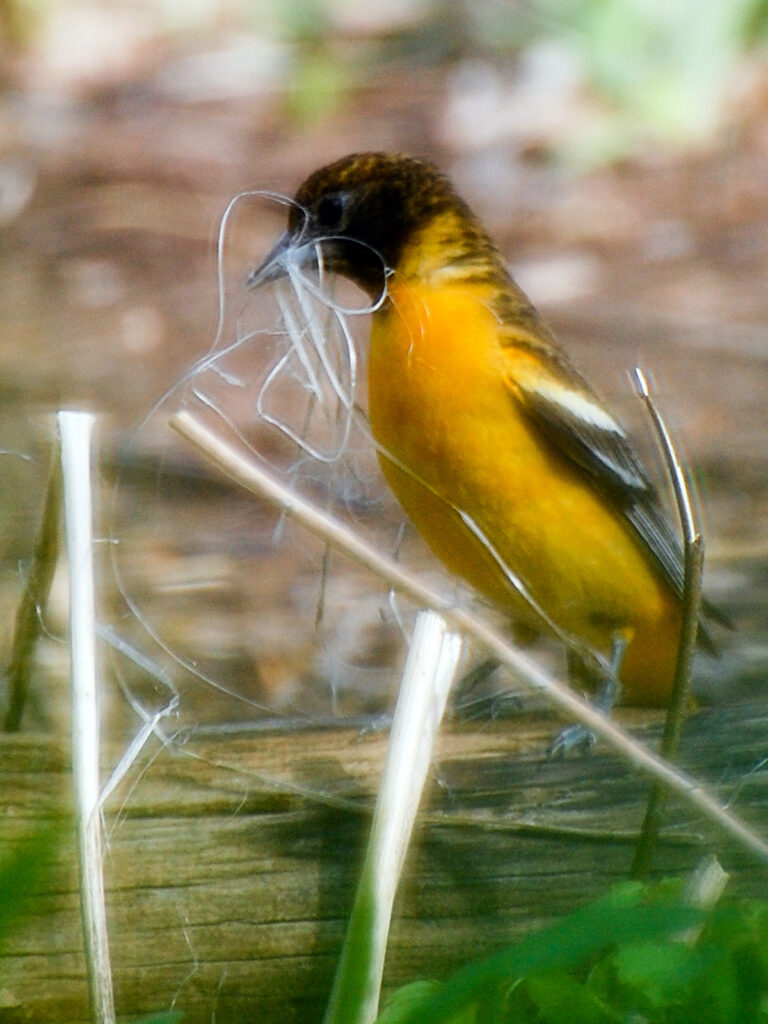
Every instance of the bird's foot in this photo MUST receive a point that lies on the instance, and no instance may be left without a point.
(579, 737)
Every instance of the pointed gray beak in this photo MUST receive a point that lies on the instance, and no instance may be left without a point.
(274, 266)
(283, 254)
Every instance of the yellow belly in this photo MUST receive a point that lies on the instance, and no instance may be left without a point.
(498, 506)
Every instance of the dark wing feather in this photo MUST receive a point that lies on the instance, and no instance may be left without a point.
(571, 417)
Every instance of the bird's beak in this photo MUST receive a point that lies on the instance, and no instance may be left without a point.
(283, 256)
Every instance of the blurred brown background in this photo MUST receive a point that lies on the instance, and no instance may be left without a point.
(618, 152)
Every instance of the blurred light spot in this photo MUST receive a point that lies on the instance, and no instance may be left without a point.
(561, 278)
(95, 284)
(142, 329)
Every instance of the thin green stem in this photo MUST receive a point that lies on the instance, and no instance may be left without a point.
(34, 599)
(693, 554)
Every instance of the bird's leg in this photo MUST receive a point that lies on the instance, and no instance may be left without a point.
(610, 686)
(606, 686)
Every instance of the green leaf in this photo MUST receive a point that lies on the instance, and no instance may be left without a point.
(407, 1001)
(562, 1000)
(656, 970)
(20, 873)
(723, 998)
(621, 916)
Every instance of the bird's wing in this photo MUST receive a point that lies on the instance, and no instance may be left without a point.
(562, 406)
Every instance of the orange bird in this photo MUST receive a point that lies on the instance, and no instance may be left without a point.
(513, 470)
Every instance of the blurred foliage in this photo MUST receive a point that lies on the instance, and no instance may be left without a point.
(167, 1017)
(662, 66)
(318, 86)
(630, 956)
(20, 20)
(21, 873)
(319, 80)
(658, 69)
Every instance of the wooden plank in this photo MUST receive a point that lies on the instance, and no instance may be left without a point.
(231, 861)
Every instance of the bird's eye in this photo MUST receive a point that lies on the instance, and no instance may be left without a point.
(330, 211)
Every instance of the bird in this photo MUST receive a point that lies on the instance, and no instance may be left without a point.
(505, 459)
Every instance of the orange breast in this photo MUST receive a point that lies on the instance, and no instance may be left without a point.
(498, 505)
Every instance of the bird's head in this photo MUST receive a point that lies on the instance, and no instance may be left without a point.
(356, 216)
